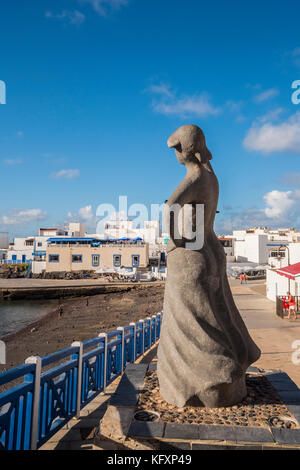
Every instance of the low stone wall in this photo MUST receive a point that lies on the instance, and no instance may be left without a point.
(12, 271)
(67, 275)
(61, 292)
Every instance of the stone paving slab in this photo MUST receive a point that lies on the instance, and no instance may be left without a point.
(146, 429)
(286, 436)
(181, 431)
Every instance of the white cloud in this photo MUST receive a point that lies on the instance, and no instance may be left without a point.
(266, 95)
(194, 105)
(281, 208)
(280, 203)
(86, 213)
(23, 216)
(73, 17)
(66, 174)
(270, 116)
(272, 138)
(161, 89)
(235, 107)
(12, 161)
(103, 6)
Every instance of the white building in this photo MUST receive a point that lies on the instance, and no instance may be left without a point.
(33, 249)
(4, 244)
(253, 247)
(228, 245)
(74, 229)
(281, 281)
(264, 246)
(120, 226)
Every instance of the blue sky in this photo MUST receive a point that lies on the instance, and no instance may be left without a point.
(95, 87)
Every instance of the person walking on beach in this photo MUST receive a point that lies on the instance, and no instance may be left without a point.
(242, 278)
(292, 306)
(245, 278)
(60, 310)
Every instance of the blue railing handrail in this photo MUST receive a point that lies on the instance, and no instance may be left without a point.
(58, 355)
(15, 373)
(35, 409)
(91, 342)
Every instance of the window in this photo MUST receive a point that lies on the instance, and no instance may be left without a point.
(135, 260)
(276, 254)
(95, 260)
(76, 258)
(53, 258)
(117, 260)
(40, 244)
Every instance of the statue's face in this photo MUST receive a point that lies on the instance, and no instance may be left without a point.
(186, 141)
(184, 156)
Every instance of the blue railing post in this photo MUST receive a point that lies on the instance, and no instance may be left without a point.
(121, 328)
(159, 323)
(154, 317)
(134, 340)
(148, 319)
(143, 336)
(104, 335)
(79, 376)
(36, 399)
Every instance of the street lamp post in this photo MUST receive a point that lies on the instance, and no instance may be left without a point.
(285, 247)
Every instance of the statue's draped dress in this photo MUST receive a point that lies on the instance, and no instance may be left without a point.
(205, 347)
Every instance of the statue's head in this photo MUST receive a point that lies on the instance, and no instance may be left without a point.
(189, 144)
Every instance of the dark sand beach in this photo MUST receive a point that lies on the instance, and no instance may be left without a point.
(83, 318)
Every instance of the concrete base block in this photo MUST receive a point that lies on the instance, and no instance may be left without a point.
(116, 421)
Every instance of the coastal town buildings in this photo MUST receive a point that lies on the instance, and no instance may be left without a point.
(228, 245)
(121, 226)
(4, 243)
(261, 245)
(33, 248)
(77, 254)
(56, 249)
(119, 231)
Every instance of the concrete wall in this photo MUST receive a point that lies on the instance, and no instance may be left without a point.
(106, 257)
(4, 241)
(38, 267)
(294, 253)
(253, 248)
(240, 250)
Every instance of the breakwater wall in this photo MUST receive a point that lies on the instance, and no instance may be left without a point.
(60, 292)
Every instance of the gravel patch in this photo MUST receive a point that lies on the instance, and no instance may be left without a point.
(261, 407)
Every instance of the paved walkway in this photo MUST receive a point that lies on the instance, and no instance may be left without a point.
(273, 335)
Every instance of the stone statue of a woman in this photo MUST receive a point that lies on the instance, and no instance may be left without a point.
(205, 348)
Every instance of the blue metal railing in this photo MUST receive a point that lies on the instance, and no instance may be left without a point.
(28, 270)
(16, 261)
(32, 411)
